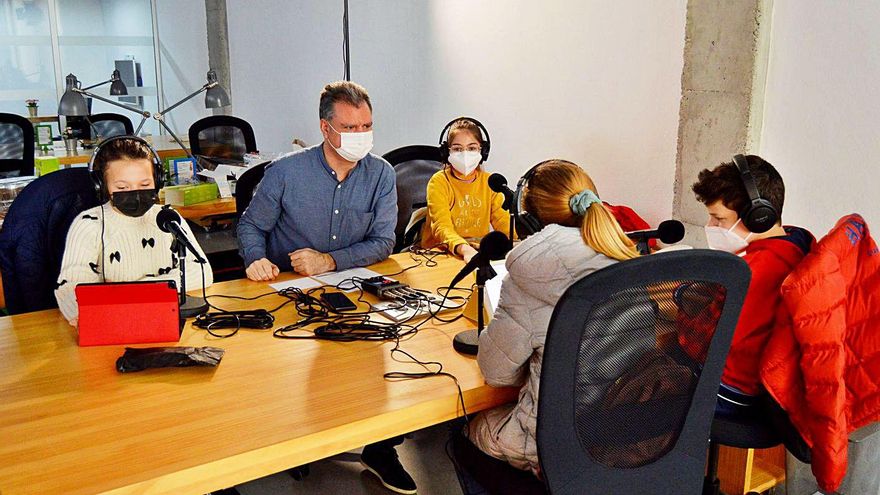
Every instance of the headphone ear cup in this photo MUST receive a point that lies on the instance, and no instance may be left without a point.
(484, 150)
(159, 172)
(527, 224)
(760, 216)
(444, 152)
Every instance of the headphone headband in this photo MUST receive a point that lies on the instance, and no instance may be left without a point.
(98, 175)
(485, 140)
(747, 178)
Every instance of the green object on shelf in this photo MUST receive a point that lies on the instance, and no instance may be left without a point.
(46, 164)
(190, 194)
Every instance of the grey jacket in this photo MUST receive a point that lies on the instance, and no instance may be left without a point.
(540, 269)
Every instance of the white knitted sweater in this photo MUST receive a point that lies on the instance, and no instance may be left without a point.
(133, 249)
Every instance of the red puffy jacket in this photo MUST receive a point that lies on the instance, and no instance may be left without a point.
(823, 366)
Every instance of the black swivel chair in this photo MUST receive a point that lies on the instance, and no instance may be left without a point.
(16, 146)
(221, 138)
(34, 234)
(413, 165)
(107, 125)
(623, 409)
(245, 186)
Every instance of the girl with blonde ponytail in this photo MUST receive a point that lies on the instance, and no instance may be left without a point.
(560, 192)
(580, 235)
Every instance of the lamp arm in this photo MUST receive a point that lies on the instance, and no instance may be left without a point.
(96, 85)
(161, 121)
(193, 95)
(145, 114)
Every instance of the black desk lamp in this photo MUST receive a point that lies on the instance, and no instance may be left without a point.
(73, 104)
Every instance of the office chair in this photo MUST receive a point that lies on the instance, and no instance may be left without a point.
(622, 408)
(246, 185)
(221, 138)
(33, 235)
(16, 146)
(106, 125)
(413, 165)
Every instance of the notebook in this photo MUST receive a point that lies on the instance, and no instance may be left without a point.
(128, 313)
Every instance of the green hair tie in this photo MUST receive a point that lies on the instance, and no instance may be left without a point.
(581, 201)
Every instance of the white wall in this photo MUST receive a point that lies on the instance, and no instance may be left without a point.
(183, 52)
(596, 82)
(821, 110)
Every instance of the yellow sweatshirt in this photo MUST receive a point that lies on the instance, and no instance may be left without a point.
(460, 211)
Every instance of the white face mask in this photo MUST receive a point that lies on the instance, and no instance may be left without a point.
(464, 162)
(354, 145)
(726, 239)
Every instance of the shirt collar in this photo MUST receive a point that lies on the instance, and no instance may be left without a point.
(330, 171)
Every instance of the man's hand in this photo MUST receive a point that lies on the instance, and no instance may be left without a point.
(310, 262)
(262, 270)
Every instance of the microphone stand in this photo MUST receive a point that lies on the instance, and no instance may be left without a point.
(509, 206)
(468, 341)
(189, 305)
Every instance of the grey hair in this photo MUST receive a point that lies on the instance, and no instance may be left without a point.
(342, 91)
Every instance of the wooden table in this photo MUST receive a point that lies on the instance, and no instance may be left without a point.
(69, 423)
(165, 146)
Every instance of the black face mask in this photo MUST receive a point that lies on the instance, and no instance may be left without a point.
(134, 203)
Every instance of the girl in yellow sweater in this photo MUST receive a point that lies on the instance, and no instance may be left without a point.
(461, 207)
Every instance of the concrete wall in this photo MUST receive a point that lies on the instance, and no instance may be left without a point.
(821, 110)
(719, 75)
(592, 81)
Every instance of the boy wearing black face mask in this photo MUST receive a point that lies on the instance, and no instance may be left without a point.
(120, 241)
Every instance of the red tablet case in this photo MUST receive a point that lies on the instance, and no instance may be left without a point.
(128, 313)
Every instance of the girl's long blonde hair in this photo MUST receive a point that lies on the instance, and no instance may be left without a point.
(547, 196)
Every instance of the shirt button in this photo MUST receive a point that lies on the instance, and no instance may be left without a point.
(334, 237)
(339, 186)
(336, 212)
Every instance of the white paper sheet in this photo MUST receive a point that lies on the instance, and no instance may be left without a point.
(303, 283)
(493, 286)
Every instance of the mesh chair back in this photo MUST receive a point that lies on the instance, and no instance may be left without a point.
(107, 125)
(16, 145)
(631, 367)
(222, 138)
(413, 166)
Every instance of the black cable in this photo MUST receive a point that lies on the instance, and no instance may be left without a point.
(348, 327)
(346, 54)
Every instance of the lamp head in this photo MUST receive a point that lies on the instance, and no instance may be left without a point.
(72, 103)
(215, 96)
(117, 87)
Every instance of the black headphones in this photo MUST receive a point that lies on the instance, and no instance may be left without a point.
(759, 215)
(97, 176)
(528, 223)
(485, 142)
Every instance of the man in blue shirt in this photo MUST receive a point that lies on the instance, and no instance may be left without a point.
(329, 207)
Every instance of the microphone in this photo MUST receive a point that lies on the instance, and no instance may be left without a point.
(498, 183)
(492, 247)
(669, 232)
(169, 220)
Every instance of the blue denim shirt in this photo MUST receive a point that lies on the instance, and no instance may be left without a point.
(301, 204)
